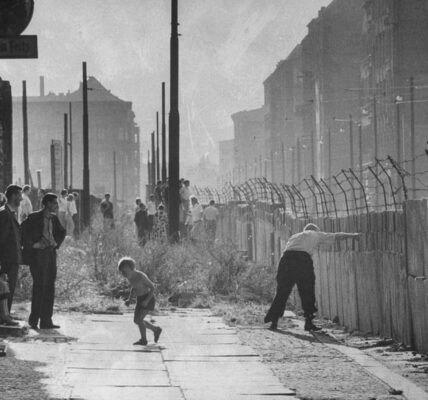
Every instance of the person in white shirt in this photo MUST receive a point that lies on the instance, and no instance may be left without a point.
(26, 207)
(210, 217)
(71, 209)
(197, 213)
(62, 210)
(151, 212)
(296, 267)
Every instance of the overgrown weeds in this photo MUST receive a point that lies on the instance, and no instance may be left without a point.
(188, 274)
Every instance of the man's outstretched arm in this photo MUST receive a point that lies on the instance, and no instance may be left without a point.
(345, 235)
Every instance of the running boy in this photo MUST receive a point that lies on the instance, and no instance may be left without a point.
(143, 287)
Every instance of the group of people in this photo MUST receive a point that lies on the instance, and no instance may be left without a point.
(29, 238)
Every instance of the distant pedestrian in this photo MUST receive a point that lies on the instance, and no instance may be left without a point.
(142, 224)
(137, 203)
(75, 215)
(196, 212)
(62, 207)
(144, 288)
(106, 208)
(26, 207)
(151, 212)
(42, 235)
(69, 223)
(160, 229)
(10, 238)
(296, 267)
(211, 214)
(158, 193)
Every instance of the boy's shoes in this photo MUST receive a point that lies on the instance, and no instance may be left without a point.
(157, 333)
(273, 326)
(49, 326)
(141, 342)
(310, 327)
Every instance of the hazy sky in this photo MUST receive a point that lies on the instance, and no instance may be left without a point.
(227, 49)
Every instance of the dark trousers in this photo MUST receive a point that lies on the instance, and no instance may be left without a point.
(295, 268)
(12, 276)
(43, 270)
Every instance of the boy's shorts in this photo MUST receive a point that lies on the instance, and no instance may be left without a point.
(140, 311)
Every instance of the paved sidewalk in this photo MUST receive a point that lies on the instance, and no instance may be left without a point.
(198, 357)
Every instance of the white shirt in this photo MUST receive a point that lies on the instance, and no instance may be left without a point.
(62, 202)
(25, 208)
(196, 212)
(211, 213)
(308, 240)
(151, 208)
(185, 193)
(72, 207)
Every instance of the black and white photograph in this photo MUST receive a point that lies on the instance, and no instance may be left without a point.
(214, 199)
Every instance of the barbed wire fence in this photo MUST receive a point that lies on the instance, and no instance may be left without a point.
(382, 185)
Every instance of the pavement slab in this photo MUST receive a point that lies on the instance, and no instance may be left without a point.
(197, 357)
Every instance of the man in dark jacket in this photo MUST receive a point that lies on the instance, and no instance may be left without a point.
(142, 224)
(10, 238)
(42, 236)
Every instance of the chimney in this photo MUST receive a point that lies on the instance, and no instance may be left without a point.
(42, 86)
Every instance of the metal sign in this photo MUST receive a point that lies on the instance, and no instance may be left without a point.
(15, 16)
(18, 46)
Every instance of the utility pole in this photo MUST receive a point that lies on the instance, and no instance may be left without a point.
(70, 126)
(149, 173)
(65, 150)
(25, 131)
(299, 160)
(163, 135)
(86, 214)
(360, 150)
(351, 141)
(412, 136)
(329, 155)
(174, 131)
(114, 179)
(313, 153)
(158, 174)
(154, 162)
(283, 162)
(293, 165)
(398, 140)
(376, 148)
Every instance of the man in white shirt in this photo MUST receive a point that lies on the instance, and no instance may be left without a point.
(296, 267)
(210, 217)
(62, 207)
(151, 212)
(25, 208)
(196, 212)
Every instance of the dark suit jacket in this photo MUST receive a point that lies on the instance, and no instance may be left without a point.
(10, 238)
(32, 232)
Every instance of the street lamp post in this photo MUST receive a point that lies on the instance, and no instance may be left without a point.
(174, 131)
(86, 210)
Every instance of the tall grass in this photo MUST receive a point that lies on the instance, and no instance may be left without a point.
(187, 273)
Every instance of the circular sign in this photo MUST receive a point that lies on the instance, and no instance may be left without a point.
(15, 15)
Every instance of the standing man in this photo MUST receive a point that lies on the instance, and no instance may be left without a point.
(26, 207)
(10, 238)
(196, 212)
(210, 217)
(42, 235)
(106, 208)
(151, 212)
(62, 210)
(296, 267)
(76, 218)
(141, 224)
